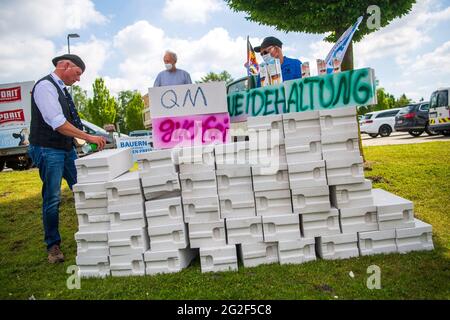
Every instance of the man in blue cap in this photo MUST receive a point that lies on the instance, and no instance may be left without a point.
(54, 124)
(272, 47)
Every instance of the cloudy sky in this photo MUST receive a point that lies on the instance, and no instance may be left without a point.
(123, 42)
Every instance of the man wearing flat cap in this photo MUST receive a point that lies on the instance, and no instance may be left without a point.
(272, 47)
(54, 124)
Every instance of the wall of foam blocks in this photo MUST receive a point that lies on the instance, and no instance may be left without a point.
(298, 195)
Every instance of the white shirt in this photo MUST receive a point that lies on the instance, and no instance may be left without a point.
(46, 98)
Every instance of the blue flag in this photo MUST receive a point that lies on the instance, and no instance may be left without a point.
(340, 47)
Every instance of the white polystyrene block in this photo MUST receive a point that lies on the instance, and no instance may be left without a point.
(344, 147)
(375, 242)
(301, 124)
(205, 235)
(197, 159)
(168, 261)
(255, 254)
(164, 185)
(309, 200)
(204, 209)
(237, 205)
(126, 242)
(307, 174)
(418, 238)
(218, 259)
(345, 170)
(164, 211)
(359, 219)
(272, 124)
(157, 162)
(320, 223)
(231, 154)
(127, 265)
(90, 195)
(94, 219)
(271, 156)
(168, 237)
(127, 216)
(297, 251)
(338, 122)
(303, 149)
(394, 212)
(93, 267)
(92, 243)
(352, 195)
(269, 203)
(124, 189)
(234, 179)
(339, 246)
(281, 228)
(266, 181)
(201, 184)
(244, 230)
(104, 166)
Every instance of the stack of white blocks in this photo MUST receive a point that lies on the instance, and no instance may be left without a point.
(299, 195)
(92, 206)
(169, 240)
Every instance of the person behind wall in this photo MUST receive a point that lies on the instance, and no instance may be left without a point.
(54, 125)
(172, 76)
(272, 47)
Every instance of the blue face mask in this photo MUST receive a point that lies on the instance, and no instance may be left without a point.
(267, 58)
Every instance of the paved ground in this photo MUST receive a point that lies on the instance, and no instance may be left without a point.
(400, 138)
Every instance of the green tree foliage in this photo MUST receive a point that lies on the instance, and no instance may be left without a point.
(402, 101)
(81, 100)
(314, 16)
(124, 99)
(135, 113)
(102, 108)
(382, 100)
(211, 76)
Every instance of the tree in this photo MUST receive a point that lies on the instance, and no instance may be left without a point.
(402, 101)
(81, 100)
(102, 108)
(210, 77)
(124, 99)
(382, 100)
(314, 16)
(135, 113)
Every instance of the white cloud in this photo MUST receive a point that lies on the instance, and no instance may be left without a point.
(192, 11)
(143, 46)
(47, 18)
(436, 62)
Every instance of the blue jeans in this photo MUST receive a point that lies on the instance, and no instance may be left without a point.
(53, 164)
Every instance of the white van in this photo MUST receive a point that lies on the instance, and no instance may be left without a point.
(439, 111)
(379, 122)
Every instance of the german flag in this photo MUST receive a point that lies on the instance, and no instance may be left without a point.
(252, 63)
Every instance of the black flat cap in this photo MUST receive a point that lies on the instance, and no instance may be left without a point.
(267, 42)
(72, 57)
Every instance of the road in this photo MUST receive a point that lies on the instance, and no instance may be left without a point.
(400, 138)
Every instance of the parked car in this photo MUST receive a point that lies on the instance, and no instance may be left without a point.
(95, 130)
(414, 119)
(379, 122)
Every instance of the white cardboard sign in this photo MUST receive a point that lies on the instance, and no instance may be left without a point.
(189, 99)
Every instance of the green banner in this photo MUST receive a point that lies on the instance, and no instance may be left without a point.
(344, 89)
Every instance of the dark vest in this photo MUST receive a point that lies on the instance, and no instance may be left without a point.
(41, 133)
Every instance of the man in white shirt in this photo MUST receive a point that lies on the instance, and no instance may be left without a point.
(171, 76)
(54, 124)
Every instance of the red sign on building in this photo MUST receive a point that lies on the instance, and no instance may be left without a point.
(10, 94)
(12, 116)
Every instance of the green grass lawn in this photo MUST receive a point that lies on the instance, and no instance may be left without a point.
(419, 172)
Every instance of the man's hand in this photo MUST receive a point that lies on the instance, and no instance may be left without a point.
(99, 141)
